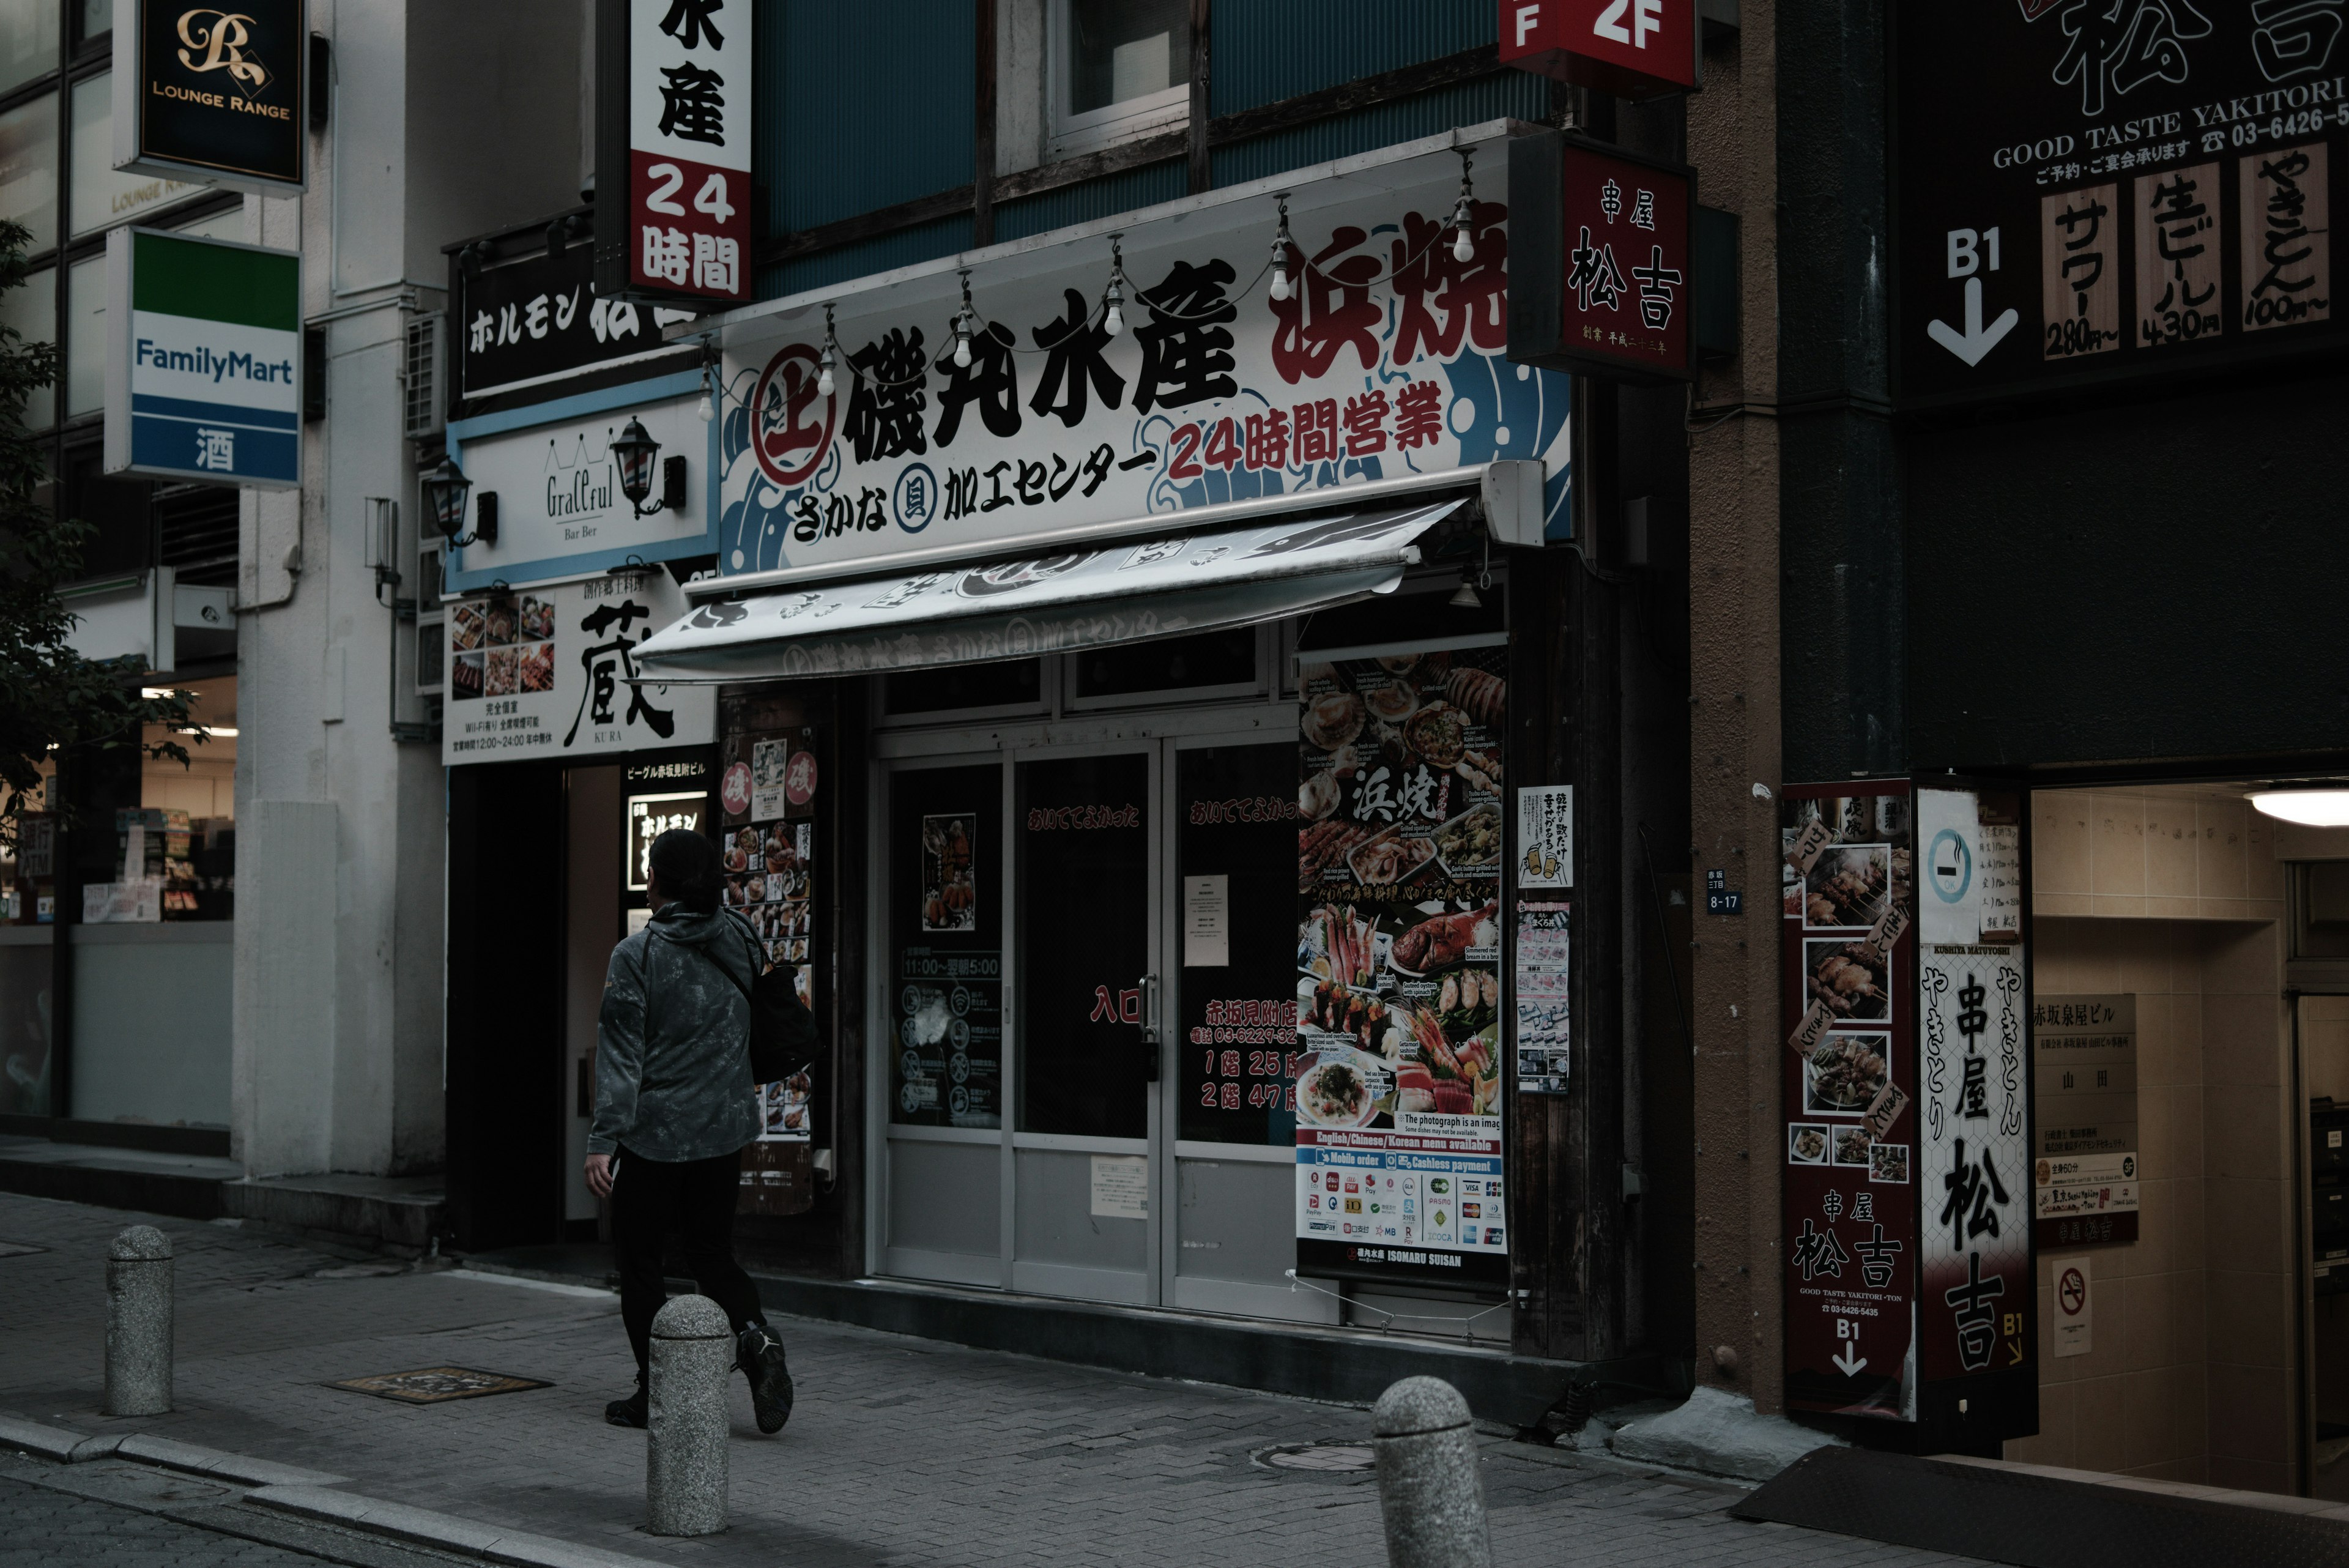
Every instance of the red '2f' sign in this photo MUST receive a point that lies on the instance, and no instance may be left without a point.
(1632, 48)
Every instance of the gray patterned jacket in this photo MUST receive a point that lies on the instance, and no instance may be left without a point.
(672, 1053)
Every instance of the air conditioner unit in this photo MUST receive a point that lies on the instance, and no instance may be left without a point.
(425, 372)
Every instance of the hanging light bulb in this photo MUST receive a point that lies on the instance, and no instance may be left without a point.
(1464, 216)
(824, 383)
(1114, 297)
(1281, 246)
(962, 321)
(706, 409)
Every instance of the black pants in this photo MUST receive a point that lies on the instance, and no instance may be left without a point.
(693, 1200)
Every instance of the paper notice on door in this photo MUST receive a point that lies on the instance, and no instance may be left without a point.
(1122, 1184)
(1206, 924)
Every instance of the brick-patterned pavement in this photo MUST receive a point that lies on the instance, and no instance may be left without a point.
(902, 1451)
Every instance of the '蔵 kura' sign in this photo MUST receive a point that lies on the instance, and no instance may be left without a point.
(1600, 258)
(2091, 193)
(203, 359)
(1631, 48)
(674, 96)
(212, 93)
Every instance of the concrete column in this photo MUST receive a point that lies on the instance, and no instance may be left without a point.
(1429, 1490)
(684, 1448)
(139, 1322)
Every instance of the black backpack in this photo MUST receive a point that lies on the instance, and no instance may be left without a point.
(783, 1030)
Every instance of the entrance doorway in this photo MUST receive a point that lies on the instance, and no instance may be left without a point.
(1087, 957)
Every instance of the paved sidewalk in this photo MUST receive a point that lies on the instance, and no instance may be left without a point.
(902, 1451)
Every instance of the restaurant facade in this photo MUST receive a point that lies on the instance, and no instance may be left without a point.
(1013, 596)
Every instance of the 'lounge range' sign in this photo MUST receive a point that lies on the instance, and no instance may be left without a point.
(215, 92)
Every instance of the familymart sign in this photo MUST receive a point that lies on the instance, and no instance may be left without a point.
(203, 367)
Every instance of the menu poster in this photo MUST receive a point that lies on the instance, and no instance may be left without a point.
(770, 868)
(949, 882)
(1400, 851)
(2085, 1165)
(1545, 1039)
(1848, 1076)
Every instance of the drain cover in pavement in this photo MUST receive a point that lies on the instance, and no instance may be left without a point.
(1319, 1457)
(17, 1248)
(435, 1384)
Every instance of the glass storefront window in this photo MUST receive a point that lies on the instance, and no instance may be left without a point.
(959, 688)
(31, 309)
(1083, 827)
(102, 198)
(28, 41)
(1235, 1021)
(1216, 658)
(946, 946)
(28, 1020)
(97, 17)
(28, 170)
(85, 367)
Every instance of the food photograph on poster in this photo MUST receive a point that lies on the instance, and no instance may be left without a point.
(1399, 989)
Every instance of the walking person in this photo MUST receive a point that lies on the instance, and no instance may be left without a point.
(674, 1106)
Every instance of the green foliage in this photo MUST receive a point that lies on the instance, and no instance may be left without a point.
(50, 696)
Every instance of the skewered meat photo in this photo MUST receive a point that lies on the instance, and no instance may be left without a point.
(1848, 977)
(1846, 886)
(1324, 844)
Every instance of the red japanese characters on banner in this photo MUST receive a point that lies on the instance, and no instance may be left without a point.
(685, 89)
(1623, 240)
(1631, 48)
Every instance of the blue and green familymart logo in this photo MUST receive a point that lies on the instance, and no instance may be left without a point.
(210, 362)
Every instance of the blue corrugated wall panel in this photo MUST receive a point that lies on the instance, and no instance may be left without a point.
(1267, 50)
(1094, 199)
(925, 242)
(1518, 94)
(862, 105)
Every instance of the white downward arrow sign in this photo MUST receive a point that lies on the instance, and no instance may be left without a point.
(1976, 341)
(1845, 1358)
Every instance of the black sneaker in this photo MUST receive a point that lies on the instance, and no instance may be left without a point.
(761, 1357)
(630, 1411)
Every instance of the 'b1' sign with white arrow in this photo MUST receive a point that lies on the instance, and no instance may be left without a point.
(1973, 339)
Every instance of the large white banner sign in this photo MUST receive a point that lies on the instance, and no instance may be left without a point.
(1387, 359)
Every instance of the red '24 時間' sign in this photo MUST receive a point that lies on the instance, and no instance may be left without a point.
(689, 94)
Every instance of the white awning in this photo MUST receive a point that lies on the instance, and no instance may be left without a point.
(1175, 585)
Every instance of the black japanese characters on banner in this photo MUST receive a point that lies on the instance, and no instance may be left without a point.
(2094, 192)
(551, 670)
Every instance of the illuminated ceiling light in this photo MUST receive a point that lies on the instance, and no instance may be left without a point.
(2308, 807)
(1281, 246)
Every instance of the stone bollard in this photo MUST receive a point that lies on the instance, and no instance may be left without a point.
(684, 1448)
(1429, 1490)
(139, 1322)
